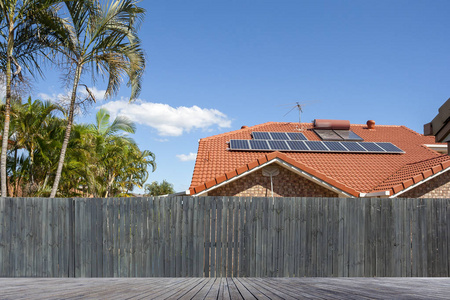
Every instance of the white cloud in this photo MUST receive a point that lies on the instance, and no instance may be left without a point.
(65, 97)
(98, 94)
(54, 97)
(187, 157)
(167, 120)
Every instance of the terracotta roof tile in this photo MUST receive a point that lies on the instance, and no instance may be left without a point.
(252, 165)
(360, 172)
(242, 169)
(415, 172)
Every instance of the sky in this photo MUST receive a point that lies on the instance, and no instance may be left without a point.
(214, 66)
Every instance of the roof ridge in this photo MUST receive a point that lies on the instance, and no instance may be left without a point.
(413, 131)
(425, 160)
(251, 128)
(377, 125)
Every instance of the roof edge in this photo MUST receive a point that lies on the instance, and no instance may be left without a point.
(263, 160)
(419, 179)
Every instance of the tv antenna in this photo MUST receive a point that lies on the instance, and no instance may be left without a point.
(299, 106)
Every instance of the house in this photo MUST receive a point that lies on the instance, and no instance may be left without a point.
(440, 126)
(326, 158)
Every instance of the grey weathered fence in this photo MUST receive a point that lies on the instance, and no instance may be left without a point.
(172, 237)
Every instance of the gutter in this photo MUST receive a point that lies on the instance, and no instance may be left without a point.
(183, 193)
(383, 194)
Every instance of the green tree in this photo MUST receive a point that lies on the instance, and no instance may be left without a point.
(32, 122)
(105, 39)
(135, 171)
(117, 163)
(102, 160)
(158, 189)
(26, 28)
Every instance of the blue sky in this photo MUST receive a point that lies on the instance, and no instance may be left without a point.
(214, 66)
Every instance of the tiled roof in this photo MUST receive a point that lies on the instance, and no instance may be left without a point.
(413, 173)
(361, 172)
(267, 158)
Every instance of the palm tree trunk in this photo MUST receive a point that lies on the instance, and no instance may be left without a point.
(62, 156)
(14, 193)
(4, 153)
(108, 187)
(32, 165)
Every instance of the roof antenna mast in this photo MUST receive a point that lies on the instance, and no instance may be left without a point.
(299, 106)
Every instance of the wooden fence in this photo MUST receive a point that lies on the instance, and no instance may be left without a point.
(221, 236)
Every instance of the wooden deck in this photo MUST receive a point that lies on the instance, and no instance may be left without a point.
(224, 288)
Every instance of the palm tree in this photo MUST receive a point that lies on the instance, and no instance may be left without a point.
(110, 146)
(25, 30)
(104, 38)
(116, 158)
(134, 172)
(33, 119)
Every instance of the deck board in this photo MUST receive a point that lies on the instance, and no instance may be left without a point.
(224, 288)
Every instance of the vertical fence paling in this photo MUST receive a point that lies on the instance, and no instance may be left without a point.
(223, 236)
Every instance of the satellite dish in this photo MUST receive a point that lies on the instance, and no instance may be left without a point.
(270, 171)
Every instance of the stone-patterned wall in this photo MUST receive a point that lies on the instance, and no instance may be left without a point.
(438, 187)
(285, 184)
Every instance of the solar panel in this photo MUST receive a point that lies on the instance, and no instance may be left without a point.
(335, 146)
(261, 136)
(297, 145)
(259, 145)
(239, 145)
(348, 135)
(372, 147)
(278, 145)
(389, 147)
(296, 136)
(353, 147)
(279, 136)
(328, 135)
(316, 145)
(313, 146)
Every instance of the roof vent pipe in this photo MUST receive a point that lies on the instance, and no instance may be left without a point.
(371, 124)
(331, 124)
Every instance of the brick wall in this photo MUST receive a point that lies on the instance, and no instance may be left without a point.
(285, 184)
(438, 187)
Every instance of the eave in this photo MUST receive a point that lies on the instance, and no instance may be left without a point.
(280, 159)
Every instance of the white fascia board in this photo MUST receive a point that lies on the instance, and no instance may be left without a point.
(419, 183)
(287, 166)
(233, 179)
(383, 194)
(183, 193)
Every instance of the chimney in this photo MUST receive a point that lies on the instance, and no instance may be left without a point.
(371, 124)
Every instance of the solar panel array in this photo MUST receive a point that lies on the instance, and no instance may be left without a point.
(283, 136)
(314, 146)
